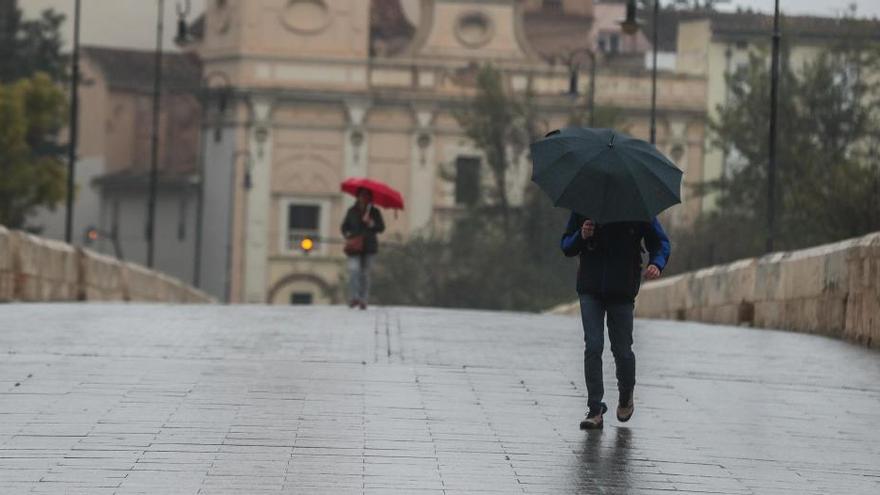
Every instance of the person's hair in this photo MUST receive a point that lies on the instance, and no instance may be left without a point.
(366, 191)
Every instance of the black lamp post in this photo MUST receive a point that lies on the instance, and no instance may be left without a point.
(74, 127)
(774, 108)
(154, 148)
(183, 10)
(631, 26)
(655, 29)
(573, 81)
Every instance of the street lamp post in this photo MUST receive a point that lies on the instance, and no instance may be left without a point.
(183, 10)
(592, 89)
(774, 108)
(573, 84)
(154, 148)
(655, 30)
(74, 127)
(630, 26)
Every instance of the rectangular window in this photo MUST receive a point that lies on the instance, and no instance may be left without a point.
(615, 43)
(467, 180)
(303, 220)
(301, 298)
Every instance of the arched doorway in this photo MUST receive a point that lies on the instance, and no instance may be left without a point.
(302, 289)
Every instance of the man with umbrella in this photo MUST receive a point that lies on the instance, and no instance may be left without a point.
(615, 185)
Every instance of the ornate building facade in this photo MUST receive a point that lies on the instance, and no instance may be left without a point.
(305, 93)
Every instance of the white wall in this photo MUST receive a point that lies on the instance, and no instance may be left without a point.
(217, 222)
(86, 206)
(173, 255)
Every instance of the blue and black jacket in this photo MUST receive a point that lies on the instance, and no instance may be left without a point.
(611, 261)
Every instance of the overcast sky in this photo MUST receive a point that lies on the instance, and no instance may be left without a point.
(132, 23)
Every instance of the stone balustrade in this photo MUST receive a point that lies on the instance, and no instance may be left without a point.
(832, 290)
(34, 269)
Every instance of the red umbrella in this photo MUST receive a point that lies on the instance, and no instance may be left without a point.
(383, 194)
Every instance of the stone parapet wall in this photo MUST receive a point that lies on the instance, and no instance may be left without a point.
(7, 270)
(33, 269)
(831, 290)
(862, 322)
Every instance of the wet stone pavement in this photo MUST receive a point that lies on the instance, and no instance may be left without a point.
(106, 399)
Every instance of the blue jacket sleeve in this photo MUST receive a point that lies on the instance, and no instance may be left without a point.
(659, 247)
(572, 242)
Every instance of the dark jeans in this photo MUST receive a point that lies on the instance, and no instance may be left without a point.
(620, 333)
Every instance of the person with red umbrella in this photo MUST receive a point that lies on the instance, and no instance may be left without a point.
(360, 228)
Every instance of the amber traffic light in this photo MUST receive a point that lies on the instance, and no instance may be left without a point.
(307, 245)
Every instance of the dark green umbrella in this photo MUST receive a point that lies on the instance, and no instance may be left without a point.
(605, 175)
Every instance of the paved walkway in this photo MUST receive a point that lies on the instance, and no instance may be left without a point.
(99, 399)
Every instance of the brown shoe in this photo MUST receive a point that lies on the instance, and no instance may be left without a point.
(354, 303)
(362, 305)
(626, 407)
(594, 421)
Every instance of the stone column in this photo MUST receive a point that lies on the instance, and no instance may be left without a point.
(258, 201)
(356, 146)
(423, 172)
(218, 212)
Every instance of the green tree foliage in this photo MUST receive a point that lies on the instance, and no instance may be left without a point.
(494, 255)
(828, 175)
(497, 125)
(31, 172)
(28, 46)
(32, 112)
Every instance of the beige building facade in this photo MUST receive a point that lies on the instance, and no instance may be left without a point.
(323, 90)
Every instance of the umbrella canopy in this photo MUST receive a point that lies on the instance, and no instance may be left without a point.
(605, 175)
(383, 195)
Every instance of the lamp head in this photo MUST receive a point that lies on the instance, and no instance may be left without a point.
(630, 25)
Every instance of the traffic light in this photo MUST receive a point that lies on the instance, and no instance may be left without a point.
(307, 245)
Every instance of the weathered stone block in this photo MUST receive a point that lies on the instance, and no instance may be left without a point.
(102, 277)
(665, 298)
(863, 302)
(60, 270)
(768, 277)
(45, 270)
(7, 272)
(142, 284)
